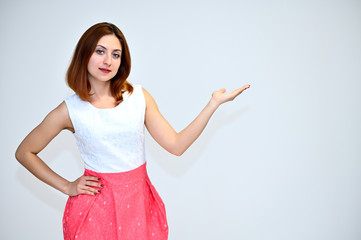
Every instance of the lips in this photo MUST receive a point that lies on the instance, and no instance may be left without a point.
(104, 70)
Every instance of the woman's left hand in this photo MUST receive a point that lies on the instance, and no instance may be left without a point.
(221, 96)
(178, 143)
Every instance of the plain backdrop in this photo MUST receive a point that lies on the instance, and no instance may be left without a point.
(282, 161)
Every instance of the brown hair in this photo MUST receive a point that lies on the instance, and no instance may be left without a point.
(77, 74)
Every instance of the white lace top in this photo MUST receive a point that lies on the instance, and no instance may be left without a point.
(110, 140)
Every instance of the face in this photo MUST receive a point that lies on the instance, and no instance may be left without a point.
(105, 61)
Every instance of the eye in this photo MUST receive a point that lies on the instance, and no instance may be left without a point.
(99, 51)
(116, 55)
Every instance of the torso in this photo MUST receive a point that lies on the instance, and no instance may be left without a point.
(100, 103)
(110, 138)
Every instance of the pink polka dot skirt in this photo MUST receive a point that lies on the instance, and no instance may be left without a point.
(128, 208)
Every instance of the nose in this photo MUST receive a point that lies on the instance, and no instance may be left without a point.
(107, 59)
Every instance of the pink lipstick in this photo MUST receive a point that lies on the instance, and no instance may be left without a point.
(104, 70)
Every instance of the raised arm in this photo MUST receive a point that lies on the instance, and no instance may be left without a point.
(178, 143)
(37, 140)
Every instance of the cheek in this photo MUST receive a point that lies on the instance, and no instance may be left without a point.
(91, 63)
(95, 60)
(117, 65)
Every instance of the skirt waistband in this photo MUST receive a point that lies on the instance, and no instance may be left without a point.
(121, 179)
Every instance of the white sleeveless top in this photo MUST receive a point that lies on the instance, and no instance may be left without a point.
(110, 140)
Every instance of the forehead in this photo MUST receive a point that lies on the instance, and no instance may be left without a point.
(111, 42)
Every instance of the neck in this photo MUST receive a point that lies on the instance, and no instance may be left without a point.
(100, 90)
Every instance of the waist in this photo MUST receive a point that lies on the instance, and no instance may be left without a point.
(112, 164)
(120, 179)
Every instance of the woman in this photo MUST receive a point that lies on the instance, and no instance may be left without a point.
(114, 199)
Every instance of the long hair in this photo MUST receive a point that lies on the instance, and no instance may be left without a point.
(77, 74)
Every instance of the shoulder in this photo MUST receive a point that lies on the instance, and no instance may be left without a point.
(60, 110)
(149, 101)
(146, 94)
(59, 116)
(137, 87)
(72, 98)
(63, 110)
(75, 103)
(140, 91)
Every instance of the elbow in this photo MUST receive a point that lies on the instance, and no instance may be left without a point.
(177, 152)
(175, 148)
(18, 155)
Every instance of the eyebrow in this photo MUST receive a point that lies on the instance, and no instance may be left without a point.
(115, 50)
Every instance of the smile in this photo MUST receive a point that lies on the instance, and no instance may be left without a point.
(104, 70)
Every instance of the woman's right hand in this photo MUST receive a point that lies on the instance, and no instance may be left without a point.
(84, 185)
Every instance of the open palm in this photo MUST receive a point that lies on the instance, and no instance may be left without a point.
(221, 96)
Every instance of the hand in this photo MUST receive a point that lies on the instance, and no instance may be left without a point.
(221, 96)
(84, 185)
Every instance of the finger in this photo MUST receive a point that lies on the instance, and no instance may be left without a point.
(246, 86)
(223, 90)
(236, 92)
(87, 190)
(232, 95)
(240, 90)
(91, 178)
(92, 183)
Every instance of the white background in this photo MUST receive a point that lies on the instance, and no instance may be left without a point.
(281, 162)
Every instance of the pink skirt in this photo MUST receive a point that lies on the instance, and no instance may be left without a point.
(128, 207)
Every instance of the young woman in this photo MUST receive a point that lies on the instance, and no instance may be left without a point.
(114, 199)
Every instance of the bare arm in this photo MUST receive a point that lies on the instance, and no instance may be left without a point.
(37, 140)
(178, 143)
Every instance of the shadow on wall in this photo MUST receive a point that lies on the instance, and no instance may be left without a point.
(178, 167)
